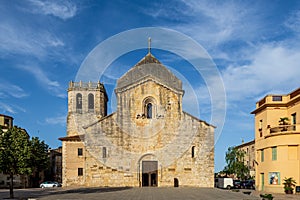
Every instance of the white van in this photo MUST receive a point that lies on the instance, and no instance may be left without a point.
(225, 183)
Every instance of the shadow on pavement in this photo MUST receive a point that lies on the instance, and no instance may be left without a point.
(27, 194)
(93, 190)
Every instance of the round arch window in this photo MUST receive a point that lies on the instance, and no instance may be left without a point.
(149, 107)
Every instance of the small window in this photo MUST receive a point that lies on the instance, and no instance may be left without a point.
(262, 156)
(80, 171)
(294, 121)
(260, 125)
(104, 155)
(78, 102)
(80, 152)
(294, 118)
(91, 102)
(277, 98)
(149, 111)
(274, 153)
(193, 151)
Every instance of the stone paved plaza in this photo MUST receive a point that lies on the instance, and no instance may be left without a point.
(149, 193)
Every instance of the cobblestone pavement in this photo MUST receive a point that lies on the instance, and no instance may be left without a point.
(136, 194)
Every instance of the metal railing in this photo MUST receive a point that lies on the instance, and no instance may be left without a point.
(283, 128)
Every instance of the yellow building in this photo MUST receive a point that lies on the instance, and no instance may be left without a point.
(277, 140)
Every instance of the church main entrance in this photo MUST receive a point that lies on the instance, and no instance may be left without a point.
(149, 173)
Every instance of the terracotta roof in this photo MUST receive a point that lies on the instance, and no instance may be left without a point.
(71, 138)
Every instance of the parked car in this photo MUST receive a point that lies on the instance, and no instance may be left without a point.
(248, 184)
(236, 184)
(50, 184)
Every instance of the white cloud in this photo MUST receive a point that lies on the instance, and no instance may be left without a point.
(213, 22)
(10, 90)
(17, 38)
(53, 86)
(293, 21)
(60, 120)
(6, 108)
(157, 10)
(273, 67)
(62, 9)
(10, 108)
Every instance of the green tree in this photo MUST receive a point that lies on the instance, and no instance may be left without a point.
(39, 160)
(19, 155)
(14, 153)
(235, 163)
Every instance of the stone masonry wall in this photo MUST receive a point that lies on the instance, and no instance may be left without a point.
(129, 138)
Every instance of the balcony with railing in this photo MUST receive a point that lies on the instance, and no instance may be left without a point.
(284, 129)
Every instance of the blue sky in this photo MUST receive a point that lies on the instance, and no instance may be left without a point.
(254, 44)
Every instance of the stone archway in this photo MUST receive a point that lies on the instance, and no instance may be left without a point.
(148, 171)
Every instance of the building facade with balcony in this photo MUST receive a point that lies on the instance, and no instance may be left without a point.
(249, 158)
(277, 140)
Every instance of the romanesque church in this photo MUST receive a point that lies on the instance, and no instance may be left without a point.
(148, 141)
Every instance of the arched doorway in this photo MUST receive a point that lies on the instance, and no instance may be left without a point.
(148, 171)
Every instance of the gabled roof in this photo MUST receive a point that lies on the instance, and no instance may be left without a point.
(149, 58)
(149, 66)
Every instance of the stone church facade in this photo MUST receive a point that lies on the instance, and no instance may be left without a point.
(148, 141)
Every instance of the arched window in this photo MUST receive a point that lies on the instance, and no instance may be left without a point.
(149, 111)
(91, 102)
(149, 107)
(78, 102)
(193, 151)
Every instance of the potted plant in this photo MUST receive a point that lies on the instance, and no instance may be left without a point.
(284, 121)
(289, 184)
